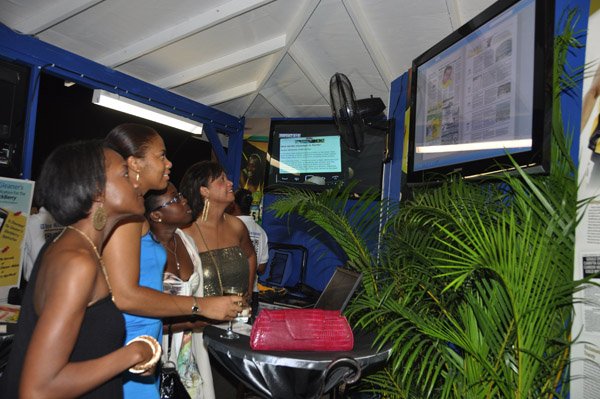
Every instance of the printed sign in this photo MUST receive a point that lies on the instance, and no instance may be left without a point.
(15, 204)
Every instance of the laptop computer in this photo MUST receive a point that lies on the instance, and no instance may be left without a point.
(339, 290)
(335, 296)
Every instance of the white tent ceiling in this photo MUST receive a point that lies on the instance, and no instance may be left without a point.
(252, 58)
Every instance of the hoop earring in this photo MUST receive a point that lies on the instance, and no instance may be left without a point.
(204, 216)
(99, 218)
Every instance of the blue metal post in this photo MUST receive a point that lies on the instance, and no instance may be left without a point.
(31, 116)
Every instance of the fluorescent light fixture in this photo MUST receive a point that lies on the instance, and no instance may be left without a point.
(129, 106)
(490, 145)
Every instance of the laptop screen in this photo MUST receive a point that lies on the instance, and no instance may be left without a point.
(339, 290)
(278, 265)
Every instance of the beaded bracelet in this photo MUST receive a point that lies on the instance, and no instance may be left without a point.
(156, 352)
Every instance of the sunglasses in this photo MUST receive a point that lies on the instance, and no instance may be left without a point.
(177, 198)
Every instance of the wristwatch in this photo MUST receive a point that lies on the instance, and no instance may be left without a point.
(195, 307)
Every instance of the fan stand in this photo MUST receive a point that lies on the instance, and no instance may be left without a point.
(387, 128)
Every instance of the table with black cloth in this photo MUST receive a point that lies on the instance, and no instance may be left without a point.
(273, 374)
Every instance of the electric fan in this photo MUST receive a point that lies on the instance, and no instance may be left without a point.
(352, 116)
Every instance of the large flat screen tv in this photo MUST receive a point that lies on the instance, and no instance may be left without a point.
(482, 92)
(310, 154)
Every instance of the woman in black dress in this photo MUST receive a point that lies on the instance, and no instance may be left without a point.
(69, 341)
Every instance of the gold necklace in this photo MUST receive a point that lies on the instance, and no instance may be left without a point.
(100, 261)
(211, 256)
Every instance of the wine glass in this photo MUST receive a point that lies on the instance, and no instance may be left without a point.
(239, 292)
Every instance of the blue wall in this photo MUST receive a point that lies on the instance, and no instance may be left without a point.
(571, 101)
(324, 255)
(392, 172)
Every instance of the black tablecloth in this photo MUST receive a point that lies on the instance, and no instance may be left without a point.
(6, 340)
(294, 374)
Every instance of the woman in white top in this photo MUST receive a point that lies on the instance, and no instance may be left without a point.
(168, 210)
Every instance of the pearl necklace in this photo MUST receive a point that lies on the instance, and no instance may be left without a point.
(100, 260)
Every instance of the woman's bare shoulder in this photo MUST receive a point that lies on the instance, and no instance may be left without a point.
(69, 271)
(235, 224)
(69, 259)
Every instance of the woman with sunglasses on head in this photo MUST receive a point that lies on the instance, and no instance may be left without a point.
(168, 211)
(70, 333)
(135, 261)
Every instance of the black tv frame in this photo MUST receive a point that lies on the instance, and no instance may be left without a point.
(365, 167)
(537, 159)
(271, 168)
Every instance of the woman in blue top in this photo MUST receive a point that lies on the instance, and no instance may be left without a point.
(152, 263)
(135, 266)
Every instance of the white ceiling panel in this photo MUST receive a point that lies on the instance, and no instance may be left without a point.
(252, 58)
(113, 24)
(292, 93)
(225, 80)
(33, 16)
(230, 37)
(261, 108)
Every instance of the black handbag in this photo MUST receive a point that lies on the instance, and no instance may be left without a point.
(171, 386)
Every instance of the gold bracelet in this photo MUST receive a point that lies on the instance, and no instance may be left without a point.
(156, 352)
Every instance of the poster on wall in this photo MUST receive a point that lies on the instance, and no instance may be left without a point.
(252, 176)
(585, 354)
(15, 204)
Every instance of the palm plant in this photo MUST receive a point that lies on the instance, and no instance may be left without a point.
(471, 283)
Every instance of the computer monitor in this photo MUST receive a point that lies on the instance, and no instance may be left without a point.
(483, 93)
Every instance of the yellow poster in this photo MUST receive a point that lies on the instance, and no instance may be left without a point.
(15, 204)
(12, 231)
(252, 176)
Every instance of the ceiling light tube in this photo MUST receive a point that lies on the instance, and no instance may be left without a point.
(129, 106)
